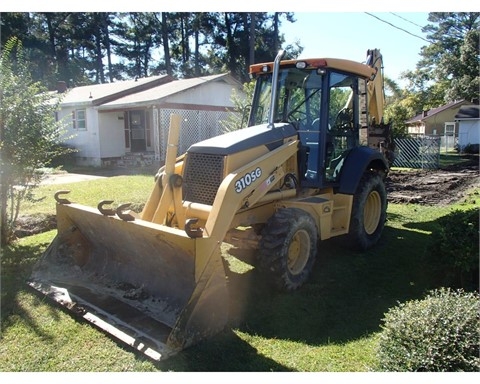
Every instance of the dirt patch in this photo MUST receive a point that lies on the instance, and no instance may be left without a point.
(29, 225)
(433, 186)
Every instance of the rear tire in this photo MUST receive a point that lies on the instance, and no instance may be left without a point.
(288, 248)
(369, 212)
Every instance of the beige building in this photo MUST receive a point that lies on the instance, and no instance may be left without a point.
(436, 121)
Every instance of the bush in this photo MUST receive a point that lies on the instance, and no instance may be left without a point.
(453, 254)
(66, 157)
(437, 334)
(471, 149)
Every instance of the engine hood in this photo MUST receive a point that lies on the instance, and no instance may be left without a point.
(244, 139)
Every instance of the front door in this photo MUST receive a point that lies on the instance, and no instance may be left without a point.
(137, 131)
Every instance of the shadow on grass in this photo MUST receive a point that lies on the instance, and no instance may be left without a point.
(209, 356)
(225, 352)
(346, 296)
(17, 264)
(453, 159)
(345, 299)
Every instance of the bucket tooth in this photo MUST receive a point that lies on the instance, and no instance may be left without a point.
(59, 199)
(106, 211)
(123, 215)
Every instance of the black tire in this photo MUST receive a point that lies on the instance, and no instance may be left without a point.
(369, 212)
(288, 248)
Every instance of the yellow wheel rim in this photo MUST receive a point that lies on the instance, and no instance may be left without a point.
(372, 212)
(298, 252)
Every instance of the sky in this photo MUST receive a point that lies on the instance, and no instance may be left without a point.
(341, 28)
(349, 35)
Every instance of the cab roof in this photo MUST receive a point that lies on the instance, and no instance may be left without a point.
(350, 66)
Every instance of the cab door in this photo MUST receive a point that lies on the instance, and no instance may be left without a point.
(342, 131)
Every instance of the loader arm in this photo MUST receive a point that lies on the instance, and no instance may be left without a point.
(228, 201)
(232, 196)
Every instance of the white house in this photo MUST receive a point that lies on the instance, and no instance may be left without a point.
(468, 126)
(126, 123)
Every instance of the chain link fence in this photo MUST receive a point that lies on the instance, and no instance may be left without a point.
(420, 152)
(448, 143)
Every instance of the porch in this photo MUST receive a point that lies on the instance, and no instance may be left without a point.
(131, 160)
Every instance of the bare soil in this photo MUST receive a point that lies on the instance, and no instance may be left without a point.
(441, 186)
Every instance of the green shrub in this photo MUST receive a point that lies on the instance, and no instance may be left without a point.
(454, 251)
(471, 148)
(440, 333)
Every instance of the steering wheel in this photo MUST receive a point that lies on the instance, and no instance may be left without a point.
(302, 118)
(344, 119)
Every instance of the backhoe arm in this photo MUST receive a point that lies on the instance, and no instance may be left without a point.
(376, 93)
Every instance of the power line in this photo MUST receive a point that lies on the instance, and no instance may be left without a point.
(408, 21)
(401, 29)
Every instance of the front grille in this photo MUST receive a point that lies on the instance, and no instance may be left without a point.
(202, 177)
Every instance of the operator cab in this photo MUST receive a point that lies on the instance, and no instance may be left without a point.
(322, 103)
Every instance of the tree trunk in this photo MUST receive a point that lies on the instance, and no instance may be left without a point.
(4, 228)
(275, 32)
(59, 51)
(106, 42)
(4, 231)
(252, 39)
(182, 43)
(146, 60)
(98, 56)
(51, 36)
(230, 45)
(166, 48)
(197, 54)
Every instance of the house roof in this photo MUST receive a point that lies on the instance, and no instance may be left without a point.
(468, 112)
(425, 115)
(155, 95)
(98, 94)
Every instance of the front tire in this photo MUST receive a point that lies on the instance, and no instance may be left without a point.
(369, 212)
(288, 248)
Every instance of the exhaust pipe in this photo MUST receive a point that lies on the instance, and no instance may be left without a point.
(273, 104)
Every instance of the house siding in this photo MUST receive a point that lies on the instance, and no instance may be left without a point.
(468, 133)
(86, 142)
(436, 124)
(217, 94)
(433, 124)
(111, 134)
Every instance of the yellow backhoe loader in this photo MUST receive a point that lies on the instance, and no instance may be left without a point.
(310, 166)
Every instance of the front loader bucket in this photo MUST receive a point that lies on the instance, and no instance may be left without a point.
(149, 285)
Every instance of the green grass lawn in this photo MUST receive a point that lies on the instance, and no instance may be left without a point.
(451, 158)
(331, 324)
(133, 189)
